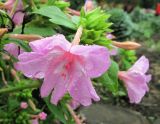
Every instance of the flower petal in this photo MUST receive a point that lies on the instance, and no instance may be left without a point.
(83, 91)
(142, 65)
(55, 78)
(52, 77)
(136, 86)
(47, 44)
(34, 121)
(96, 59)
(32, 64)
(18, 18)
(13, 49)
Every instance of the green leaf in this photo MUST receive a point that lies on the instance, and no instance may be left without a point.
(12, 103)
(55, 110)
(110, 78)
(56, 16)
(36, 29)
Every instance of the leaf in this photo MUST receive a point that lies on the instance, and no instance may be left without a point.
(55, 110)
(110, 78)
(42, 30)
(56, 16)
(12, 103)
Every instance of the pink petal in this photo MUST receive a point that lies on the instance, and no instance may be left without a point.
(59, 90)
(18, 18)
(96, 59)
(83, 91)
(47, 44)
(12, 49)
(32, 64)
(54, 78)
(142, 65)
(18, 15)
(35, 121)
(148, 78)
(136, 86)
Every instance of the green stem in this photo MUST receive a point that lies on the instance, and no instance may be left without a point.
(33, 5)
(18, 88)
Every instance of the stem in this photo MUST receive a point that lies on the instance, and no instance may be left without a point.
(77, 120)
(77, 36)
(32, 105)
(74, 12)
(33, 4)
(17, 88)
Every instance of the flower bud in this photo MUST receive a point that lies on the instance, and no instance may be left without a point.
(3, 31)
(110, 36)
(128, 45)
(42, 116)
(88, 5)
(23, 105)
(28, 37)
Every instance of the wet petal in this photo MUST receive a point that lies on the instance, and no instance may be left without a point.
(55, 79)
(141, 65)
(32, 64)
(96, 59)
(52, 77)
(12, 49)
(47, 44)
(18, 18)
(136, 86)
(83, 91)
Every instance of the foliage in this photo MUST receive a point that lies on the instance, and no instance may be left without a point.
(147, 24)
(96, 26)
(122, 24)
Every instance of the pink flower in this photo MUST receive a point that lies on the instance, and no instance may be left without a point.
(13, 49)
(89, 5)
(42, 116)
(110, 36)
(65, 68)
(18, 15)
(135, 80)
(23, 105)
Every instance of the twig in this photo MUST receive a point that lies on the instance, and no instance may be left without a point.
(3, 77)
(75, 117)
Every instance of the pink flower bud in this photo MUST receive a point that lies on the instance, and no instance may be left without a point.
(89, 5)
(128, 45)
(42, 116)
(23, 105)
